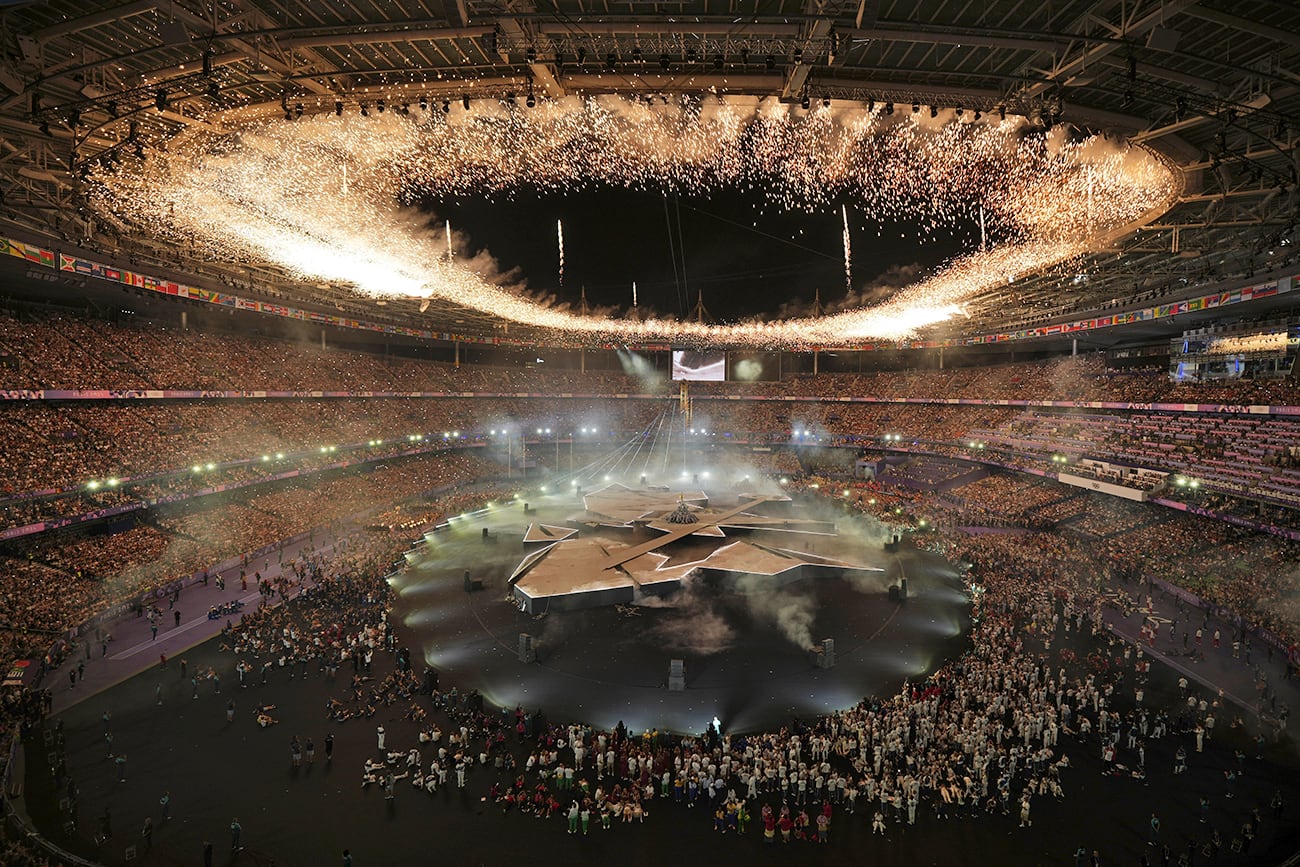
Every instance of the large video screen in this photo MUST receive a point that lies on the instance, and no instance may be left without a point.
(708, 366)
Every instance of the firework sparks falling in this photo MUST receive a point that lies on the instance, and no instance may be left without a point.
(256, 193)
(848, 254)
(559, 233)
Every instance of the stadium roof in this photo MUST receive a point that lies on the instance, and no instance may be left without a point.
(1212, 85)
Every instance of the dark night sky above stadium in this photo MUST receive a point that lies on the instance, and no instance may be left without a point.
(749, 257)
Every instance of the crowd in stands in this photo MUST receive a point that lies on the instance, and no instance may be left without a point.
(55, 581)
(52, 446)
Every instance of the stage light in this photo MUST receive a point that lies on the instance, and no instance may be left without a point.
(916, 108)
(279, 456)
(610, 60)
(92, 484)
(531, 54)
(424, 103)
(805, 103)
(889, 108)
(826, 102)
(784, 480)
(112, 483)
(531, 101)
(718, 61)
(211, 467)
(798, 55)
(365, 112)
(464, 101)
(959, 110)
(338, 108)
(934, 111)
(663, 62)
(160, 100)
(265, 458)
(771, 62)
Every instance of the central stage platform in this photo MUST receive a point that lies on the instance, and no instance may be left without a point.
(601, 556)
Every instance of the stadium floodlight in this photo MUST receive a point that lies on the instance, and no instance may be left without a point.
(265, 458)
(210, 468)
(112, 483)
(197, 468)
(92, 484)
(279, 456)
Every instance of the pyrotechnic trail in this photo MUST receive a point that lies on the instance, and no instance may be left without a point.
(559, 231)
(848, 257)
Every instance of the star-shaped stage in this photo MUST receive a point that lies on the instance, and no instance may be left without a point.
(598, 557)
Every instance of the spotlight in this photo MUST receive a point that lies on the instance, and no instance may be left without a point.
(446, 105)
(744, 56)
(663, 62)
(889, 108)
(959, 110)
(297, 110)
(718, 61)
(798, 55)
(365, 112)
(805, 103)
(531, 101)
(379, 104)
(531, 55)
(826, 102)
(288, 115)
(1180, 108)
(610, 59)
(916, 108)
(636, 54)
(771, 63)
(424, 103)
(338, 108)
(934, 111)
(582, 55)
(1002, 112)
(160, 100)
(691, 55)
(871, 106)
(112, 109)
(207, 62)
(978, 114)
(464, 101)
(214, 92)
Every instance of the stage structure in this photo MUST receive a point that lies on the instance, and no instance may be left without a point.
(601, 557)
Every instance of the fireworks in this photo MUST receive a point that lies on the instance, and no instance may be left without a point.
(270, 191)
(559, 231)
(848, 255)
